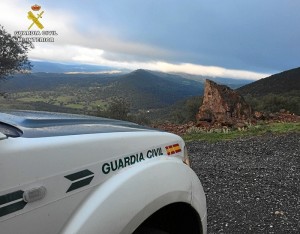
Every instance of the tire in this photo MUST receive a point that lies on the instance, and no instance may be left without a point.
(148, 230)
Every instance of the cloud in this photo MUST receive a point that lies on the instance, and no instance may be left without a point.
(95, 56)
(8, 12)
(131, 40)
(64, 23)
(213, 71)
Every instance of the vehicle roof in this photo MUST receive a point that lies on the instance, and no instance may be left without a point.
(32, 124)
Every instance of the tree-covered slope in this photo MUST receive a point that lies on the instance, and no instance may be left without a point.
(280, 83)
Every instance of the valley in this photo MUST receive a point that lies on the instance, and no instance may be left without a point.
(155, 96)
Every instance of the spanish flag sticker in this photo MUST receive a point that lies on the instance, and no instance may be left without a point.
(173, 149)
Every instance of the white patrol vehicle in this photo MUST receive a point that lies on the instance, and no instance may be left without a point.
(62, 173)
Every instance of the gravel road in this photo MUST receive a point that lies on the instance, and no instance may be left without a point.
(252, 185)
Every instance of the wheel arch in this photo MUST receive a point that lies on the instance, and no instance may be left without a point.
(125, 201)
(175, 218)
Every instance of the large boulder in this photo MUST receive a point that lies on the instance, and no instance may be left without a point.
(222, 105)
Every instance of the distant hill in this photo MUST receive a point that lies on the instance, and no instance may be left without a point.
(230, 82)
(55, 67)
(155, 91)
(275, 93)
(42, 81)
(142, 89)
(280, 83)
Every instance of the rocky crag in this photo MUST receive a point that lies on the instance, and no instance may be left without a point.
(222, 106)
(223, 109)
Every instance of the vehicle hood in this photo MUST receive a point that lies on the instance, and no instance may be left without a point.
(32, 124)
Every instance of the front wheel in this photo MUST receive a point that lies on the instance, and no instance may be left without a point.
(149, 230)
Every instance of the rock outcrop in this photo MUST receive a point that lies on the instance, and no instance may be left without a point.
(222, 105)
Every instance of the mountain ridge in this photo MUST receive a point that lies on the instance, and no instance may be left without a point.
(140, 88)
(279, 83)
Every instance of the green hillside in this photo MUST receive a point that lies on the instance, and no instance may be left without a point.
(280, 83)
(90, 93)
(274, 93)
(146, 90)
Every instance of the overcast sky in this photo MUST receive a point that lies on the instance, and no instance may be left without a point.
(228, 38)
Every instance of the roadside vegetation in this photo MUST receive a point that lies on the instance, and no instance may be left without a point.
(252, 131)
(275, 102)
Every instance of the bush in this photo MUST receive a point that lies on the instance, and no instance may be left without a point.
(274, 102)
(118, 109)
(185, 111)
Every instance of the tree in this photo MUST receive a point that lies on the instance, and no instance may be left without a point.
(13, 54)
(185, 111)
(118, 108)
